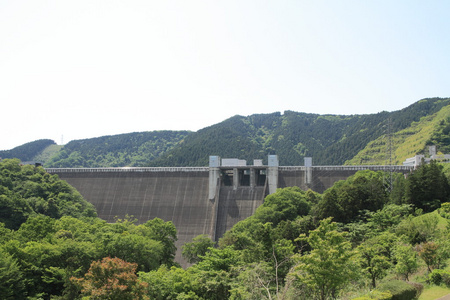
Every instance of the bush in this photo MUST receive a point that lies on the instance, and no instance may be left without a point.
(376, 295)
(444, 211)
(418, 287)
(439, 276)
(400, 290)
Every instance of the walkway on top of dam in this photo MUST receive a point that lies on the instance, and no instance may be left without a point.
(128, 169)
(206, 169)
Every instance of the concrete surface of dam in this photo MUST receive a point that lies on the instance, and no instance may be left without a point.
(198, 200)
(179, 195)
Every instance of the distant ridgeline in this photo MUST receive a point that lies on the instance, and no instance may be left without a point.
(372, 139)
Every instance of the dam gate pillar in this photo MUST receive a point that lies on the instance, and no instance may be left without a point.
(272, 176)
(214, 174)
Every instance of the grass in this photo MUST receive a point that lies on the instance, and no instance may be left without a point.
(434, 292)
(405, 143)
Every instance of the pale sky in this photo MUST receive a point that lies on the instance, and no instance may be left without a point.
(81, 69)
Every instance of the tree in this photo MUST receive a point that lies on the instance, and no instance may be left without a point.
(254, 282)
(28, 191)
(11, 278)
(36, 228)
(374, 256)
(214, 273)
(406, 260)
(193, 251)
(163, 232)
(428, 252)
(145, 252)
(419, 229)
(112, 279)
(427, 187)
(345, 200)
(173, 283)
(329, 265)
(289, 203)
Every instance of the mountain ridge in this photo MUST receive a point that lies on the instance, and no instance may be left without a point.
(329, 139)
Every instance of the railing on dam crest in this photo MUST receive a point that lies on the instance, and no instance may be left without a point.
(126, 169)
(348, 168)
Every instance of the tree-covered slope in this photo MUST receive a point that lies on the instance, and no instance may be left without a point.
(433, 129)
(329, 139)
(27, 191)
(28, 151)
(130, 149)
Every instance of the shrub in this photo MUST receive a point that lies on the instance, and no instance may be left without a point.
(376, 295)
(444, 211)
(418, 287)
(439, 276)
(399, 289)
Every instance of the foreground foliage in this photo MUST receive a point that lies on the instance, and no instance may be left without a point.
(27, 191)
(291, 248)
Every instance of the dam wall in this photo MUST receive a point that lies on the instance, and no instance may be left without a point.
(320, 178)
(197, 200)
(179, 195)
(235, 205)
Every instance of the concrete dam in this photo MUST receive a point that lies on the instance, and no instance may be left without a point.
(198, 200)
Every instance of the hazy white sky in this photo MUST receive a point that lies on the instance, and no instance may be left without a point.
(81, 69)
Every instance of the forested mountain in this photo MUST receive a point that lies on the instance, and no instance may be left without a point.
(28, 151)
(131, 149)
(433, 129)
(329, 139)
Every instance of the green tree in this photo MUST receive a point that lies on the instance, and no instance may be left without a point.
(374, 256)
(27, 191)
(36, 228)
(288, 203)
(427, 187)
(329, 265)
(419, 229)
(166, 234)
(389, 216)
(255, 281)
(173, 283)
(12, 285)
(406, 259)
(145, 252)
(345, 200)
(193, 251)
(215, 272)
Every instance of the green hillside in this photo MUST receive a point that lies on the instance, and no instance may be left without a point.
(429, 130)
(131, 149)
(329, 139)
(28, 151)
